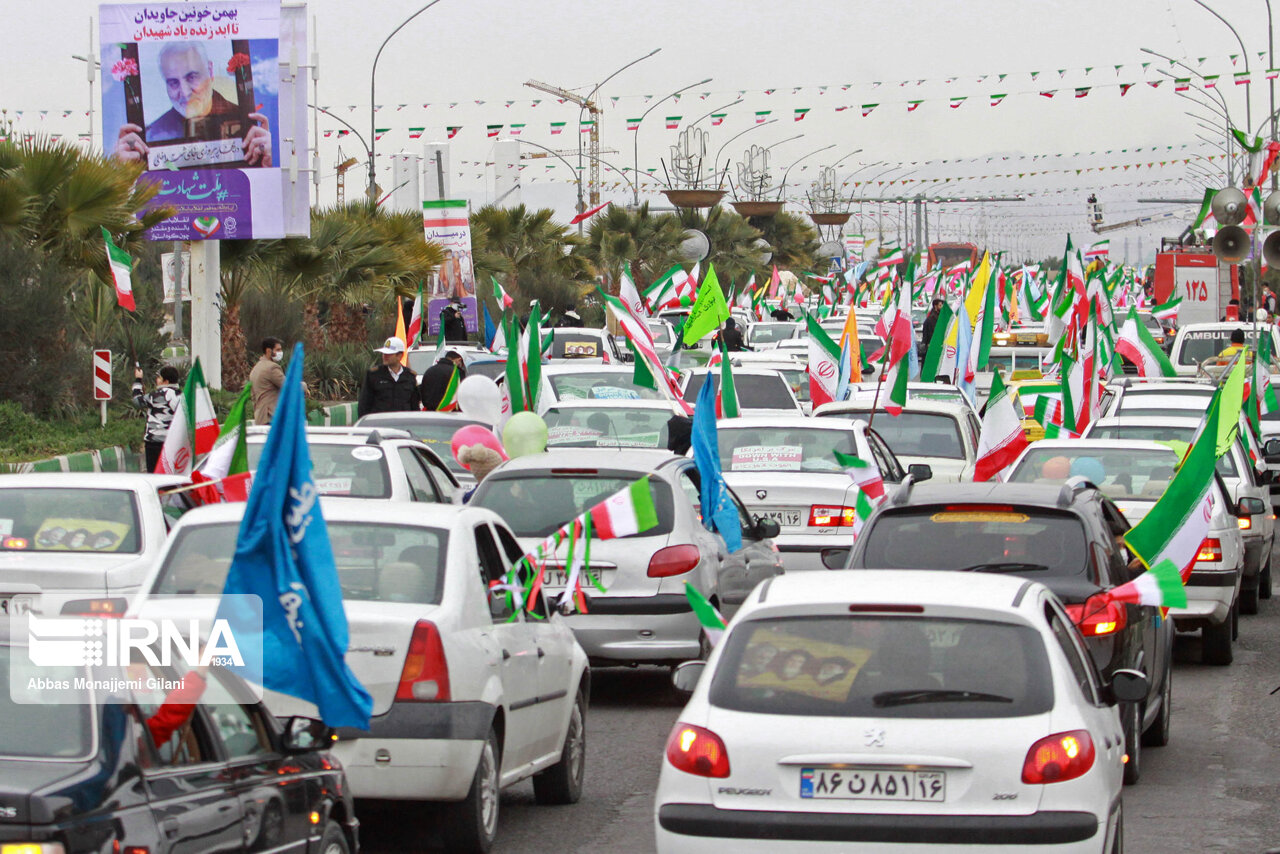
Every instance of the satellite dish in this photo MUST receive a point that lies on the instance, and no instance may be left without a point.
(695, 247)
(766, 251)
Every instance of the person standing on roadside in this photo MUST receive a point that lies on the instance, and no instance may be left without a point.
(436, 379)
(391, 386)
(160, 405)
(930, 321)
(265, 380)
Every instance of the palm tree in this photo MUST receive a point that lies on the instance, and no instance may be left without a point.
(733, 250)
(649, 243)
(244, 265)
(793, 240)
(538, 254)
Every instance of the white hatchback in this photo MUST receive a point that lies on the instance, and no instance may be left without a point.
(468, 697)
(890, 711)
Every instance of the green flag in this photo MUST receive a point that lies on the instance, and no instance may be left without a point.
(937, 345)
(708, 312)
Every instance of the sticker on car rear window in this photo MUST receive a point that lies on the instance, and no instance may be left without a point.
(366, 452)
(766, 458)
(800, 665)
(979, 516)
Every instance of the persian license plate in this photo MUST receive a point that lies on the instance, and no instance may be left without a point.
(873, 784)
(558, 578)
(785, 518)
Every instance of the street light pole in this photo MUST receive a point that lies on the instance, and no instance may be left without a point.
(588, 156)
(596, 128)
(715, 163)
(373, 76)
(1248, 111)
(782, 188)
(635, 138)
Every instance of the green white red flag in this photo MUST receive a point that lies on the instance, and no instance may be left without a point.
(415, 320)
(1136, 344)
(1159, 587)
(824, 364)
(226, 466)
(711, 620)
(121, 272)
(500, 294)
(866, 476)
(194, 428)
(626, 512)
(1167, 310)
(1002, 440)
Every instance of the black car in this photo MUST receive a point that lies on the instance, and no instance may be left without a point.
(224, 776)
(1066, 537)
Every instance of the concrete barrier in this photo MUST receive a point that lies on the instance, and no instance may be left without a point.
(113, 459)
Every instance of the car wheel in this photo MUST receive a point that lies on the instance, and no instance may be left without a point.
(1216, 641)
(469, 827)
(1249, 598)
(1157, 735)
(1133, 744)
(333, 841)
(1264, 581)
(562, 782)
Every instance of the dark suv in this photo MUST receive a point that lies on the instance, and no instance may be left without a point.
(1066, 537)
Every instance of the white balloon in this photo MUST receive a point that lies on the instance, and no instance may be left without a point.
(479, 398)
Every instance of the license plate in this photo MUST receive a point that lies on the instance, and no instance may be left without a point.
(785, 518)
(867, 784)
(558, 578)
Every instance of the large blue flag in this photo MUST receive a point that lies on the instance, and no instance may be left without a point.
(284, 557)
(719, 513)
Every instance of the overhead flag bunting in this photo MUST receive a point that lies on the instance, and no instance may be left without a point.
(586, 125)
(515, 129)
(957, 101)
(633, 124)
(867, 108)
(800, 112)
(761, 115)
(717, 119)
(493, 130)
(452, 130)
(415, 133)
(997, 99)
(911, 106)
(557, 127)
(1082, 91)
(379, 133)
(673, 122)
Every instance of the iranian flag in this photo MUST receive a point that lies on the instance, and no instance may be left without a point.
(1175, 527)
(1136, 344)
(449, 401)
(895, 256)
(649, 371)
(500, 294)
(415, 133)
(492, 130)
(452, 130)
(226, 467)
(557, 128)
(1167, 310)
(673, 122)
(1160, 587)
(121, 272)
(1002, 440)
(709, 618)
(727, 393)
(194, 428)
(633, 124)
(870, 488)
(761, 115)
(626, 512)
(629, 294)
(1101, 249)
(824, 364)
(415, 320)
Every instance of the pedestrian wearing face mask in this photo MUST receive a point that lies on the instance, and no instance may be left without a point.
(265, 379)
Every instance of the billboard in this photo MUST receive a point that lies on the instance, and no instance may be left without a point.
(193, 92)
(447, 223)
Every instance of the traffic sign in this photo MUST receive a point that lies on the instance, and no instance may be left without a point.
(101, 374)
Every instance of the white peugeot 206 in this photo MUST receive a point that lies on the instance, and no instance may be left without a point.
(896, 711)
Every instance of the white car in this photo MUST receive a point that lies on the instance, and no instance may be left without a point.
(760, 392)
(795, 372)
(785, 469)
(74, 543)
(466, 699)
(1198, 343)
(607, 423)
(435, 429)
(896, 711)
(568, 380)
(940, 434)
(765, 334)
(583, 344)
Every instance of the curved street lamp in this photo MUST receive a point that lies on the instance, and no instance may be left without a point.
(786, 172)
(635, 137)
(583, 107)
(720, 150)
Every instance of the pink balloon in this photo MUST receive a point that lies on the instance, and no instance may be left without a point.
(474, 434)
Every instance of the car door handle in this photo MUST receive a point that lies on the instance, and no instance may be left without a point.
(542, 653)
(506, 655)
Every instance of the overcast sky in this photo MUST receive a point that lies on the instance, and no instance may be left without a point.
(463, 51)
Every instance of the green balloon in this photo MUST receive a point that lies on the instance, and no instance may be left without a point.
(525, 433)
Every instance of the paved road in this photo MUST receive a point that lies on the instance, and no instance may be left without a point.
(1214, 788)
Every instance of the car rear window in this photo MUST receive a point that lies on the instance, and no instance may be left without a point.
(608, 385)
(436, 433)
(567, 346)
(1121, 473)
(755, 391)
(793, 449)
(85, 521)
(1157, 433)
(350, 471)
(769, 333)
(376, 562)
(1031, 541)
(39, 722)
(611, 427)
(916, 434)
(535, 503)
(883, 667)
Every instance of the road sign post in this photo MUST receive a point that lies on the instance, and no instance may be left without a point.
(102, 380)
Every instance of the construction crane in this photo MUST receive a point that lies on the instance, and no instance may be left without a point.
(1098, 228)
(343, 166)
(593, 182)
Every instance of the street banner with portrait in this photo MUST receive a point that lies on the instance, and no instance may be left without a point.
(192, 91)
(447, 224)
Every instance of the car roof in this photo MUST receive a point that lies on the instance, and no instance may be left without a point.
(578, 330)
(1225, 326)
(1055, 495)
(613, 403)
(572, 367)
(971, 590)
(341, 435)
(93, 480)
(610, 459)
(863, 404)
(741, 372)
(1171, 401)
(1111, 444)
(352, 510)
(373, 418)
(1147, 421)
(787, 422)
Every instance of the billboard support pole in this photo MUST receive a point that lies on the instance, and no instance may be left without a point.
(206, 319)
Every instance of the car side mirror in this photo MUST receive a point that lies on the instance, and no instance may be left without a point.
(1271, 448)
(304, 735)
(1127, 686)
(835, 558)
(1250, 507)
(686, 676)
(766, 529)
(920, 472)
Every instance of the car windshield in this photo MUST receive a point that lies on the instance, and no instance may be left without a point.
(1158, 433)
(351, 471)
(661, 333)
(87, 521)
(798, 379)
(1121, 473)
(755, 391)
(536, 503)
(917, 434)
(782, 449)
(602, 385)
(436, 432)
(769, 333)
(491, 368)
(1002, 362)
(1200, 344)
(39, 722)
(376, 562)
(883, 667)
(1037, 542)
(612, 427)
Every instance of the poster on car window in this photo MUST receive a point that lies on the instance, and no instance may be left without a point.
(800, 665)
(446, 223)
(766, 458)
(193, 92)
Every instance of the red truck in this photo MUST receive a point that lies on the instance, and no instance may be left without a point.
(1205, 284)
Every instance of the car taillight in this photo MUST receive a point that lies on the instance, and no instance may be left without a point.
(697, 751)
(95, 607)
(425, 676)
(1059, 757)
(825, 517)
(1245, 522)
(1093, 621)
(673, 560)
(1210, 550)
